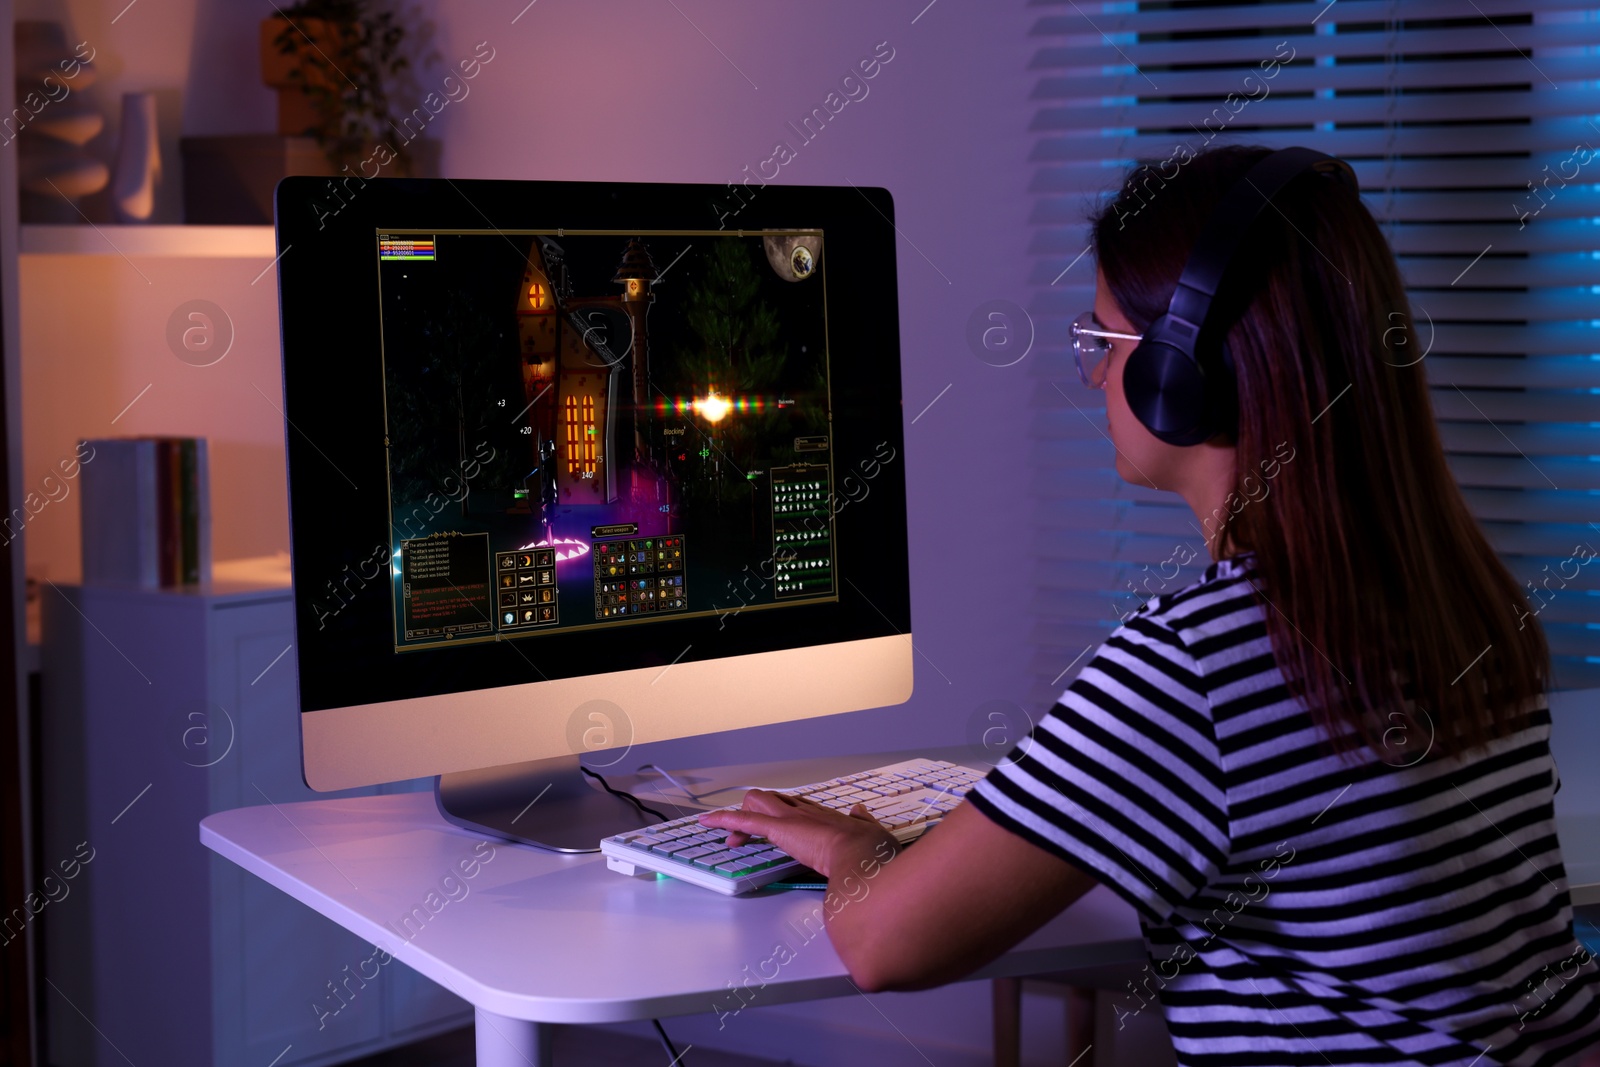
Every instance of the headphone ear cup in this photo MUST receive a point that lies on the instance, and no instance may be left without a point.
(1165, 390)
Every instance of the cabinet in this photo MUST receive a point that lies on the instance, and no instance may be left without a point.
(160, 707)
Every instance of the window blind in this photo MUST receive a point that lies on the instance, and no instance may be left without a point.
(1474, 127)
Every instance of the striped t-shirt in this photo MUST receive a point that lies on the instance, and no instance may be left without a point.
(1300, 908)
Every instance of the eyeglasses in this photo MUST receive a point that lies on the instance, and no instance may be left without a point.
(1090, 347)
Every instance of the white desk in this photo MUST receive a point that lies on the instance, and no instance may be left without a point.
(535, 937)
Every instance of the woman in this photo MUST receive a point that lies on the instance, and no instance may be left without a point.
(1321, 773)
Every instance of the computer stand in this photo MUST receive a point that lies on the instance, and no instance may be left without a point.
(550, 803)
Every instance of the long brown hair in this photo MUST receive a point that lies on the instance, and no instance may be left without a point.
(1378, 582)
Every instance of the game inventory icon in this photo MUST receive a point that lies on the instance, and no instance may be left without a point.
(669, 592)
(527, 588)
(802, 531)
(669, 554)
(612, 598)
(638, 576)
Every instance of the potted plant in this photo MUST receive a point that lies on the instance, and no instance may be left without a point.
(333, 63)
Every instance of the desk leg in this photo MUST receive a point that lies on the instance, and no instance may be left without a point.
(504, 1042)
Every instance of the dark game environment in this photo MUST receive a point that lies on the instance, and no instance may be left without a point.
(595, 429)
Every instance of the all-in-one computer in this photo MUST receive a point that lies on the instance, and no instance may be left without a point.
(578, 466)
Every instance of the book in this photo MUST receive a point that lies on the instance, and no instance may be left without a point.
(146, 513)
(167, 487)
(202, 511)
(121, 528)
(195, 511)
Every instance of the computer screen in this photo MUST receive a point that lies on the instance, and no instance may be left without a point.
(576, 466)
(618, 442)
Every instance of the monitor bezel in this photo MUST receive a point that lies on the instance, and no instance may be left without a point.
(369, 714)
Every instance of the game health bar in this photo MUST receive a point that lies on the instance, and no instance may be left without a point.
(405, 248)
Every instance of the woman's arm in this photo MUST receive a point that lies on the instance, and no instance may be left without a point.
(917, 917)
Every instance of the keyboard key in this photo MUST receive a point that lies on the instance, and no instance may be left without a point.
(744, 865)
(689, 855)
(715, 858)
(900, 806)
(667, 848)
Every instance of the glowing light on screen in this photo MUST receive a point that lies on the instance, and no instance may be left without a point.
(678, 405)
(713, 407)
(574, 548)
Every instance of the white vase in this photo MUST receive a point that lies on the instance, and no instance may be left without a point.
(138, 165)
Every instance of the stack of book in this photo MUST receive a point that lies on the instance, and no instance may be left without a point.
(146, 512)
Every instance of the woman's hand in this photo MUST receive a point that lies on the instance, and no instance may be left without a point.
(817, 836)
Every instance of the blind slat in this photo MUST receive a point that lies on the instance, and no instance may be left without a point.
(1514, 208)
(1468, 138)
(1416, 43)
(1205, 117)
(1478, 404)
(1374, 175)
(1073, 440)
(1418, 238)
(1579, 305)
(1347, 77)
(1540, 372)
(1535, 439)
(1292, 15)
(1420, 272)
(1532, 505)
(1566, 472)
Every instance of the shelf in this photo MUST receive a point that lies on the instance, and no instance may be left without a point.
(239, 242)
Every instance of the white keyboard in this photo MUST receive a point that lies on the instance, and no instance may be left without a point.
(907, 798)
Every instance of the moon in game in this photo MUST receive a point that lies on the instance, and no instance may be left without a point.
(795, 257)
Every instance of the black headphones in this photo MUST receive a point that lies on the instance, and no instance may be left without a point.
(1184, 390)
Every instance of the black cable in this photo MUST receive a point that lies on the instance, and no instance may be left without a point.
(665, 1040)
(629, 797)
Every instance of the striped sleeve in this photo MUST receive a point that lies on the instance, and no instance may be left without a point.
(1122, 778)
